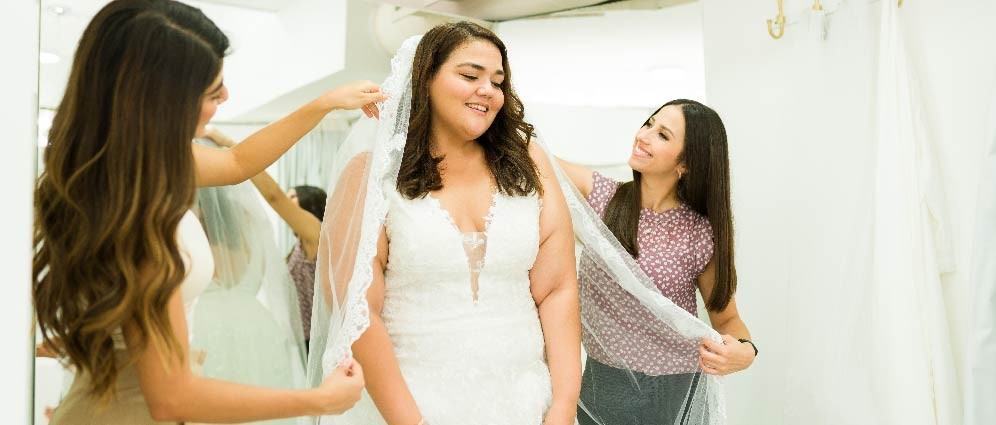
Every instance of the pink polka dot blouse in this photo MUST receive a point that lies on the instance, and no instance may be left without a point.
(675, 245)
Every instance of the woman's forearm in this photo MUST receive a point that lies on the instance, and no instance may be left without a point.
(198, 399)
(268, 188)
(734, 327)
(265, 146)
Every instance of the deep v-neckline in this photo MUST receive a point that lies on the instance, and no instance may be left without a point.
(471, 242)
(488, 217)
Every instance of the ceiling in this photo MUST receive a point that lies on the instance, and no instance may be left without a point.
(64, 20)
(267, 5)
(491, 10)
(505, 10)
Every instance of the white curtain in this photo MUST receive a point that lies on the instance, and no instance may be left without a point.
(309, 162)
(856, 173)
(912, 360)
(981, 376)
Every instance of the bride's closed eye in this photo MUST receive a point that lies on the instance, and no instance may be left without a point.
(473, 78)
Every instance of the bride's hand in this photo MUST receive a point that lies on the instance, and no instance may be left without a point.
(356, 95)
(340, 390)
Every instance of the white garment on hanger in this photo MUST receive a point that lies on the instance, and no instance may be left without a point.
(981, 375)
(911, 249)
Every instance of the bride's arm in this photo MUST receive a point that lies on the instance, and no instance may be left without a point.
(337, 254)
(373, 350)
(553, 281)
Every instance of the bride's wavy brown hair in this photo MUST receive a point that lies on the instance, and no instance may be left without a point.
(118, 177)
(506, 141)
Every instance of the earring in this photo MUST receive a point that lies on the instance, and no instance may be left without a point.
(679, 174)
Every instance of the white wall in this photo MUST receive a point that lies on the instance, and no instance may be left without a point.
(364, 60)
(589, 82)
(18, 107)
(800, 117)
(274, 53)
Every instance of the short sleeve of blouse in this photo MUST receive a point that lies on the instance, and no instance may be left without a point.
(602, 190)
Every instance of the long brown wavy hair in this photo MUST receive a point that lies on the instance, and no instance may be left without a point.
(505, 143)
(705, 189)
(119, 175)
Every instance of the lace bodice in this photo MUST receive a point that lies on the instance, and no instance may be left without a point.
(464, 359)
(421, 233)
(429, 279)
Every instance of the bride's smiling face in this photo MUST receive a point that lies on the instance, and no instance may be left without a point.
(465, 94)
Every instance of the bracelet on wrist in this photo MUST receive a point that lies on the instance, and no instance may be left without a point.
(743, 340)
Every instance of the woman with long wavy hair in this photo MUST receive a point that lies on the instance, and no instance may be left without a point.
(675, 219)
(119, 256)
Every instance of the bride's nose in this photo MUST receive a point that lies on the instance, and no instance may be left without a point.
(486, 90)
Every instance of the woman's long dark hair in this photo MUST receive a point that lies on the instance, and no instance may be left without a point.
(505, 143)
(705, 188)
(119, 176)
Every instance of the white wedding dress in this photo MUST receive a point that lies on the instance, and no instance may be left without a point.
(458, 309)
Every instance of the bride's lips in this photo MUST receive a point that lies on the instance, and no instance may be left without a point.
(477, 107)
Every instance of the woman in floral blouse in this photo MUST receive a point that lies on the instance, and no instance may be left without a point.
(674, 217)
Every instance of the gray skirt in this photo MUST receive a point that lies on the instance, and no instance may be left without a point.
(611, 396)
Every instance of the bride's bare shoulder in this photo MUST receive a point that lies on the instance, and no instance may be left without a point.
(539, 157)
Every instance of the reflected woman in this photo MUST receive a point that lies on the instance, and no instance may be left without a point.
(302, 208)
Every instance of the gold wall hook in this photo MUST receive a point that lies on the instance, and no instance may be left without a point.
(900, 3)
(780, 21)
(818, 6)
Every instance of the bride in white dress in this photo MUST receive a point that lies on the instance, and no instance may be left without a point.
(456, 233)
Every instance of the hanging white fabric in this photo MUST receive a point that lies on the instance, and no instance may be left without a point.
(915, 379)
(981, 374)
